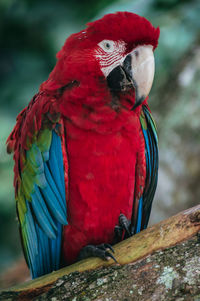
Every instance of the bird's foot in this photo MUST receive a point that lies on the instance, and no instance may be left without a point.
(123, 230)
(101, 251)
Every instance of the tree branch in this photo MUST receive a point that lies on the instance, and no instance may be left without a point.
(161, 236)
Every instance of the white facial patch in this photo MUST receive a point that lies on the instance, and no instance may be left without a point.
(110, 54)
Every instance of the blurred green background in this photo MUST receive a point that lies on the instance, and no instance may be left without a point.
(31, 33)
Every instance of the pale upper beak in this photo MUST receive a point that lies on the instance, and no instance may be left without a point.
(135, 71)
(140, 67)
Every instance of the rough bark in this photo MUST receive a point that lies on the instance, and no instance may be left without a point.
(160, 263)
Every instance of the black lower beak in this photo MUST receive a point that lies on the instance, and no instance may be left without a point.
(120, 79)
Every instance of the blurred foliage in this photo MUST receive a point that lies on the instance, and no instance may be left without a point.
(32, 31)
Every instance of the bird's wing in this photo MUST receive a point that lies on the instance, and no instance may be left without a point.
(151, 160)
(40, 182)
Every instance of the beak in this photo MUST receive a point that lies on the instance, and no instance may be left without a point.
(139, 65)
(136, 71)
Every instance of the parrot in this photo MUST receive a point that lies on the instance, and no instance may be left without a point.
(85, 148)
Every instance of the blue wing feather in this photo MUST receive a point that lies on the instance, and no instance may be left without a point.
(54, 205)
(45, 221)
(43, 208)
(139, 216)
(56, 163)
(53, 185)
(152, 175)
(31, 229)
(58, 244)
(151, 155)
(46, 210)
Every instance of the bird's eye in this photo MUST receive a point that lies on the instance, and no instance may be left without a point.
(107, 45)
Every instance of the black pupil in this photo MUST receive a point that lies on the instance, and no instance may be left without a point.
(107, 45)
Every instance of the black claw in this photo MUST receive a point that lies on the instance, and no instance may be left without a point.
(118, 233)
(108, 246)
(97, 251)
(123, 230)
(108, 254)
(124, 223)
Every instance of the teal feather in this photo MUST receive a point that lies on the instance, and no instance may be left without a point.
(41, 217)
(151, 154)
(45, 208)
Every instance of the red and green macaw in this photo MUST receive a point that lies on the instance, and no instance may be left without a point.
(85, 148)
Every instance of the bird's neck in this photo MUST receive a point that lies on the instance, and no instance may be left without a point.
(100, 112)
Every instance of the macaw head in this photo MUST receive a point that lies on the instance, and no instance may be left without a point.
(116, 50)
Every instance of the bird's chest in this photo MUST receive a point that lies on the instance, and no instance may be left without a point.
(101, 175)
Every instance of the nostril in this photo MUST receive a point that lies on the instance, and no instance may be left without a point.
(136, 53)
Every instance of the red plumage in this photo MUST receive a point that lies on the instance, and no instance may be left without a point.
(102, 141)
(102, 158)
